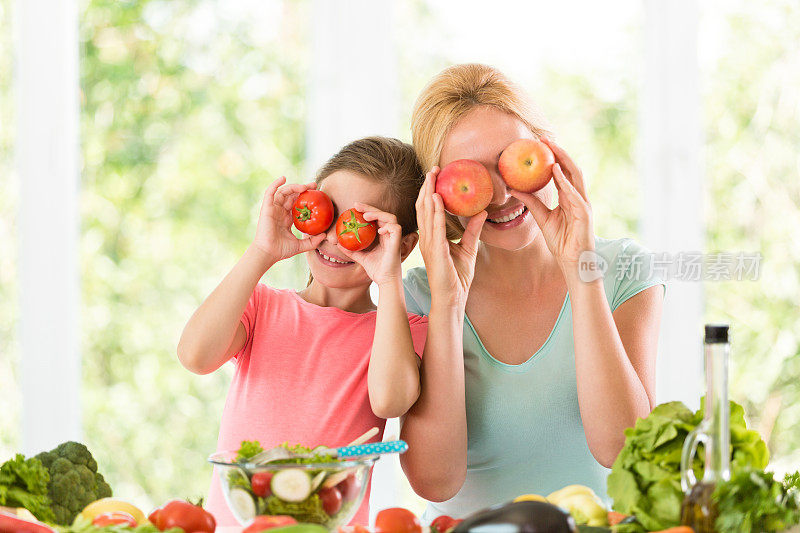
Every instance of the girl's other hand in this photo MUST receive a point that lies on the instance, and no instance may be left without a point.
(382, 261)
(274, 235)
(450, 266)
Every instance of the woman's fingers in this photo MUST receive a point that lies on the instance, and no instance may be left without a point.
(472, 233)
(574, 173)
(439, 221)
(570, 193)
(537, 208)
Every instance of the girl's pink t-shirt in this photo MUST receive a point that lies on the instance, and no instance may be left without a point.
(301, 377)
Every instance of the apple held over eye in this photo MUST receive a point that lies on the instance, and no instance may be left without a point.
(526, 165)
(465, 187)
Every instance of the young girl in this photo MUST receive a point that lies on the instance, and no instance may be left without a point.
(322, 365)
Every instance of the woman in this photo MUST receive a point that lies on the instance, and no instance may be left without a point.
(530, 374)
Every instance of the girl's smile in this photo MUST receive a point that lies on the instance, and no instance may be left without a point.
(331, 260)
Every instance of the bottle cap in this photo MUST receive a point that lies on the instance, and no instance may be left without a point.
(716, 334)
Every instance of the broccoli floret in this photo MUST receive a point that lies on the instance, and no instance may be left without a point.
(74, 480)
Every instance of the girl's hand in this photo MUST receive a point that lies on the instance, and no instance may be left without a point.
(450, 266)
(567, 229)
(274, 235)
(382, 262)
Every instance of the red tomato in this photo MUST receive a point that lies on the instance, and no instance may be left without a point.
(397, 520)
(312, 212)
(331, 500)
(260, 484)
(350, 488)
(443, 524)
(354, 232)
(264, 522)
(113, 518)
(153, 517)
(185, 515)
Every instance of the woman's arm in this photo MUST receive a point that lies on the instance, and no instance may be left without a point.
(615, 378)
(215, 332)
(614, 362)
(436, 426)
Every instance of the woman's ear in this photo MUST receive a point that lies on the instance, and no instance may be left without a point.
(407, 244)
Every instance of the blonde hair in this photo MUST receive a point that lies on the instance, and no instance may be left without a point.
(453, 93)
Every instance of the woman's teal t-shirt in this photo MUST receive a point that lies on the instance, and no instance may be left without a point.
(524, 428)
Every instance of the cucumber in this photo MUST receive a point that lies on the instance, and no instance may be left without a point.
(317, 481)
(291, 485)
(242, 504)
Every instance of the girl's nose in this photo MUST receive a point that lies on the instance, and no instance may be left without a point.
(500, 193)
(330, 235)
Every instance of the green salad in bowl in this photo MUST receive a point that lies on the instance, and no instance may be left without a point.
(315, 487)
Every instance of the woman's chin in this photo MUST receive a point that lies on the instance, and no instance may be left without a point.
(510, 239)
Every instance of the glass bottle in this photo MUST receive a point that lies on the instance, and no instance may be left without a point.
(698, 510)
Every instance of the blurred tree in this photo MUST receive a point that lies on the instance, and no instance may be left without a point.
(9, 349)
(190, 108)
(752, 108)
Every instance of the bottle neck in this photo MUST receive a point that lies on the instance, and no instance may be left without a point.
(717, 413)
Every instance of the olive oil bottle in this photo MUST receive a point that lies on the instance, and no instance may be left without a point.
(698, 509)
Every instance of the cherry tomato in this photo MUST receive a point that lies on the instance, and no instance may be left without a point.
(354, 232)
(350, 488)
(153, 517)
(185, 515)
(397, 520)
(353, 529)
(312, 212)
(265, 522)
(443, 524)
(113, 518)
(331, 500)
(260, 484)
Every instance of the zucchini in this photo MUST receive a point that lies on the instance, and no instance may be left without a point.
(291, 485)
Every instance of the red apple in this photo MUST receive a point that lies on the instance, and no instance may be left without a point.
(526, 165)
(465, 187)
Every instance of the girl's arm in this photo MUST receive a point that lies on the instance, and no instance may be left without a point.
(436, 426)
(614, 354)
(215, 332)
(393, 375)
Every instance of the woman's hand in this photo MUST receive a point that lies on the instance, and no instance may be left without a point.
(382, 262)
(274, 235)
(450, 266)
(567, 229)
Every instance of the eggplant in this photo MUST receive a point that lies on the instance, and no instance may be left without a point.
(519, 517)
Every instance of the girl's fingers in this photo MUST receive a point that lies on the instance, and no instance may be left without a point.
(381, 216)
(311, 242)
(272, 188)
(472, 233)
(564, 160)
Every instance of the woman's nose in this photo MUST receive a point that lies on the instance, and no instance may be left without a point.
(500, 193)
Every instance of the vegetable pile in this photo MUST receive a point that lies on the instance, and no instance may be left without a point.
(74, 481)
(23, 483)
(645, 480)
(754, 501)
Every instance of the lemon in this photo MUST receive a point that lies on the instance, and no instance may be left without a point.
(530, 498)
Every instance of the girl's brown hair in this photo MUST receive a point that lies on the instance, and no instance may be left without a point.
(453, 93)
(390, 162)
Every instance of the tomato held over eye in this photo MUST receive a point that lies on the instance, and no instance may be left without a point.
(397, 520)
(354, 232)
(312, 212)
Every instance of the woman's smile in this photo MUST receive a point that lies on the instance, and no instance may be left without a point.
(507, 218)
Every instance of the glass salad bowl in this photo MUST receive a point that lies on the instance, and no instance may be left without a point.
(327, 493)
